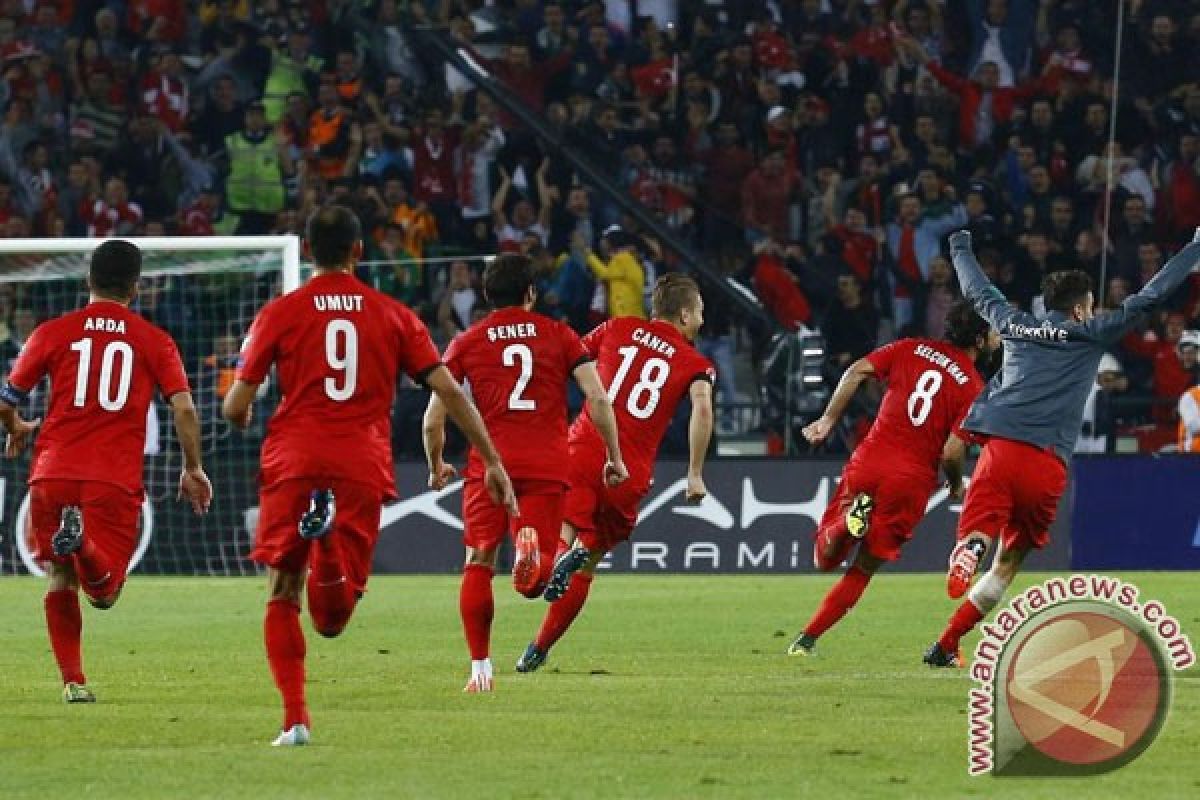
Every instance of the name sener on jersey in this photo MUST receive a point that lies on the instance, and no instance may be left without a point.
(104, 325)
(519, 330)
(647, 339)
(338, 302)
(942, 360)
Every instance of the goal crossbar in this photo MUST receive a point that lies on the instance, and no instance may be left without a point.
(288, 247)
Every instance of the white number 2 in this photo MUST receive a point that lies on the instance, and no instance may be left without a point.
(655, 373)
(920, 402)
(522, 353)
(109, 401)
(343, 357)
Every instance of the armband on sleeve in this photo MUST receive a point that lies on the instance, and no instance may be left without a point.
(12, 395)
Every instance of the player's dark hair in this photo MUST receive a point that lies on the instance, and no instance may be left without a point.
(115, 269)
(507, 278)
(332, 232)
(964, 326)
(672, 294)
(1065, 289)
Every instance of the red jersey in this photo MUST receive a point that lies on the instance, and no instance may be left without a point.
(648, 366)
(338, 347)
(518, 364)
(930, 387)
(104, 363)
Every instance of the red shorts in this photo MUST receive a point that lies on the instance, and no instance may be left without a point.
(110, 520)
(485, 523)
(604, 516)
(1014, 494)
(900, 499)
(357, 507)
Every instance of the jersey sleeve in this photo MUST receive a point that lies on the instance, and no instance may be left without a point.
(418, 356)
(574, 351)
(31, 365)
(169, 373)
(259, 348)
(703, 370)
(966, 400)
(884, 358)
(595, 338)
(453, 357)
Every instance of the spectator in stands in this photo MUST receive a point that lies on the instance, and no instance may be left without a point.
(778, 287)
(222, 115)
(334, 137)
(95, 119)
(1097, 425)
(912, 242)
(294, 70)
(622, 274)
(114, 214)
(257, 162)
(1171, 375)
(766, 199)
(458, 301)
(850, 326)
(1189, 401)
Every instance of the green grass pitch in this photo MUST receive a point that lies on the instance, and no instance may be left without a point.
(668, 686)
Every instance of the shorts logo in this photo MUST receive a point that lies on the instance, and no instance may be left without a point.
(1080, 687)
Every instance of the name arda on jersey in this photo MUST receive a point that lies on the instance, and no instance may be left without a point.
(338, 302)
(649, 340)
(519, 330)
(104, 325)
(1046, 332)
(942, 360)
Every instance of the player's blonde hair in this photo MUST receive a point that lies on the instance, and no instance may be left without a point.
(673, 293)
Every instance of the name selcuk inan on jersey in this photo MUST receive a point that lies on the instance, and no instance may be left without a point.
(942, 360)
(1046, 332)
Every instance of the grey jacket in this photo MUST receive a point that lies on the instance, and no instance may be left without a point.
(1050, 365)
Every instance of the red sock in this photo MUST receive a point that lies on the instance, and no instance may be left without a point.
(65, 624)
(285, 653)
(331, 598)
(563, 612)
(95, 572)
(840, 599)
(965, 618)
(834, 540)
(476, 607)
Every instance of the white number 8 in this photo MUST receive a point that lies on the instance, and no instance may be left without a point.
(343, 357)
(920, 402)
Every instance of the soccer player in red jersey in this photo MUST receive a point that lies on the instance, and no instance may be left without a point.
(648, 367)
(517, 364)
(889, 478)
(105, 363)
(326, 465)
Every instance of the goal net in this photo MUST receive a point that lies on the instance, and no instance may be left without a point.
(205, 293)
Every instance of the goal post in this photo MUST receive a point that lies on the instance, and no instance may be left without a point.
(205, 292)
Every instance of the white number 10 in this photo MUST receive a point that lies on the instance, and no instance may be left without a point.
(341, 356)
(109, 401)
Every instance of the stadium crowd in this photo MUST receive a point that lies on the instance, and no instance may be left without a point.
(818, 150)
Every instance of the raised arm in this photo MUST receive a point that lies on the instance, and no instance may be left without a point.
(193, 483)
(817, 431)
(700, 428)
(988, 301)
(466, 417)
(600, 407)
(1112, 325)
